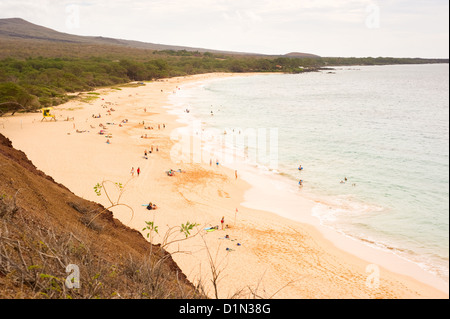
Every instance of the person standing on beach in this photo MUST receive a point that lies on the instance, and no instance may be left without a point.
(138, 171)
(132, 171)
(222, 221)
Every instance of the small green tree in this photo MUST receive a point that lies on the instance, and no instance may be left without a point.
(170, 236)
(113, 203)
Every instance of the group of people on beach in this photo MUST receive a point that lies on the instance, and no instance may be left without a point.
(138, 171)
(211, 161)
(150, 151)
(160, 126)
(222, 225)
(171, 172)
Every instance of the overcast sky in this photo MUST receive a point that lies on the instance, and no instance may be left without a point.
(348, 28)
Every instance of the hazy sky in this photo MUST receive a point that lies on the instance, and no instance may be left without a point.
(359, 28)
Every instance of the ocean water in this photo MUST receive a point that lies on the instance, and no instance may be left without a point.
(373, 142)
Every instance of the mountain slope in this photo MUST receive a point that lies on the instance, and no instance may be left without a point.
(19, 29)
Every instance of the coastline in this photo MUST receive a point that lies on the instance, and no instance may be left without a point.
(276, 192)
(278, 257)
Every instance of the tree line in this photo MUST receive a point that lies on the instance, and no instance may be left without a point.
(36, 82)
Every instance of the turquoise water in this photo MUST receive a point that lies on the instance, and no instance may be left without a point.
(384, 128)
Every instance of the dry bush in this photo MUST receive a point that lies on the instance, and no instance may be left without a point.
(8, 206)
(34, 257)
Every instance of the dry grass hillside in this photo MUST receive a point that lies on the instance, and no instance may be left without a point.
(24, 32)
(44, 228)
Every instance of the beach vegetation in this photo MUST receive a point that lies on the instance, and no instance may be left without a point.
(151, 227)
(88, 98)
(187, 228)
(170, 236)
(32, 79)
(101, 188)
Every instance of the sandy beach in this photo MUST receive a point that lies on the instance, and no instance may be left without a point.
(257, 254)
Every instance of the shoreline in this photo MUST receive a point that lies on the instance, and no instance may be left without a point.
(276, 248)
(263, 195)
